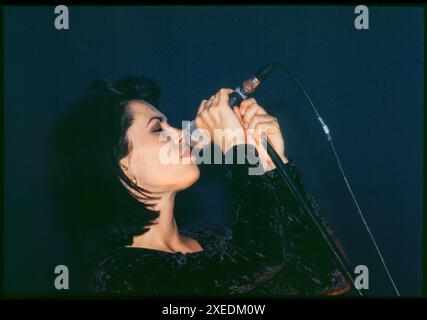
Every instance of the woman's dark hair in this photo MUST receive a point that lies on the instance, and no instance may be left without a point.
(89, 143)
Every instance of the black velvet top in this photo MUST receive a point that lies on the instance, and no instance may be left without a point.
(272, 249)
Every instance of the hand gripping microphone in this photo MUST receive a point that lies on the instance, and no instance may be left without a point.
(244, 91)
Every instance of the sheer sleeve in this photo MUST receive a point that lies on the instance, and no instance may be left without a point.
(241, 258)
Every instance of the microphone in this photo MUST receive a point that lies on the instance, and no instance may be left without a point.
(244, 91)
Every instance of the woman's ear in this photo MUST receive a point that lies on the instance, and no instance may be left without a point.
(124, 165)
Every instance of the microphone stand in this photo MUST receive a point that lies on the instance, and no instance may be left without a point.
(301, 202)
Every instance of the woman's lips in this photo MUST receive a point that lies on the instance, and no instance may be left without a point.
(187, 152)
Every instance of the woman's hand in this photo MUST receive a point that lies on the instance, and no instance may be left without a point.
(219, 122)
(257, 124)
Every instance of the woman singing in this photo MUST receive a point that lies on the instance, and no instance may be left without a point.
(120, 197)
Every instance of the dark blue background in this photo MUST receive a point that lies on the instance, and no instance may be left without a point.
(367, 84)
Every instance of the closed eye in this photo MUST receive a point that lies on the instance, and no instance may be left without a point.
(158, 127)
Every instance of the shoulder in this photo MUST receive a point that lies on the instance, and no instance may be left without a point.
(211, 239)
(112, 270)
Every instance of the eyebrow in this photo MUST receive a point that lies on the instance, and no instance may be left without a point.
(160, 118)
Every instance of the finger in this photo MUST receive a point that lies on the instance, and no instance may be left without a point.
(203, 122)
(247, 103)
(238, 115)
(269, 127)
(201, 107)
(249, 114)
(244, 105)
(212, 99)
(199, 122)
(264, 121)
(254, 109)
(205, 116)
(262, 118)
(208, 106)
(223, 96)
(261, 110)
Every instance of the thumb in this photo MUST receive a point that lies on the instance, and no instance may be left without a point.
(238, 114)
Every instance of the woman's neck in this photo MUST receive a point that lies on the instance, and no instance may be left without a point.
(164, 234)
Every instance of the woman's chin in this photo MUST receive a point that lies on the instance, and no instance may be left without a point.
(191, 174)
